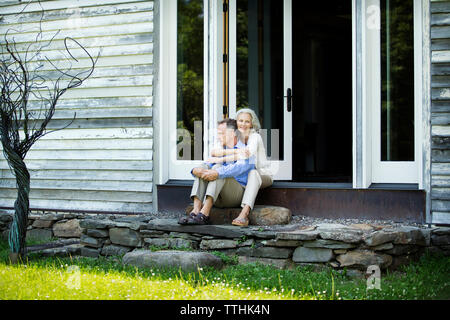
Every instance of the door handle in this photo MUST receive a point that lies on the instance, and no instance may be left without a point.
(289, 99)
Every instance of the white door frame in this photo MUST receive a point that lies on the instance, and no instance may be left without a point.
(377, 171)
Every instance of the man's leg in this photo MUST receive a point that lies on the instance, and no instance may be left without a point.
(212, 192)
(198, 191)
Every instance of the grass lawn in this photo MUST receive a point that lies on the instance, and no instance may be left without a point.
(106, 278)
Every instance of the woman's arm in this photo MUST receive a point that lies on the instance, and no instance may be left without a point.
(217, 152)
(230, 158)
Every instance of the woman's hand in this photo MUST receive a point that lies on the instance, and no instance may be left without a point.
(244, 153)
(215, 160)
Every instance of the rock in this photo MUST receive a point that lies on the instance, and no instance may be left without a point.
(303, 254)
(39, 235)
(152, 233)
(67, 229)
(97, 233)
(269, 215)
(218, 244)
(410, 235)
(261, 215)
(91, 242)
(339, 251)
(42, 223)
(277, 263)
(134, 218)
(69, 250)
(297, 235)
(136, 225)
(125, 236)
(114, 250)
(330, 244)
(187, 261)
(5, 234)
(171, 243)
(362, 226)
(339, 232)
(182, 235)
(265, 252)
(398, 261)
(361, 259)
(440, 240)
(96, 223)
(404, 249)
(282, 243)
(51, 217)
(384, 246)
(89, 252)
(379, 237)
(5, 217)
(440, 231)
(218, 231)
(246, 243)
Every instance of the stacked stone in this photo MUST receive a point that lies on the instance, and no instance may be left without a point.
(325, 245)
(5, 220)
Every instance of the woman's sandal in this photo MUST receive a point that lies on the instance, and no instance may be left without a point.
(241, 222)
(185, 219)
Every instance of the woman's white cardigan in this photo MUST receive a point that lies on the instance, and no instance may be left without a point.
(256, 148)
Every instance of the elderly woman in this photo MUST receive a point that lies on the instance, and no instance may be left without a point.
(248, 128)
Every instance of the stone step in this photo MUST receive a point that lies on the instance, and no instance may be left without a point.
(261, 215)
(186, 260)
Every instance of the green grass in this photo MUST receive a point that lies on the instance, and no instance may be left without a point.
(107, 278)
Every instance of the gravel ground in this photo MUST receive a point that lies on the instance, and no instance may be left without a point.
(299, 221)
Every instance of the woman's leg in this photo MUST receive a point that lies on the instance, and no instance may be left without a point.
(267, 181)
(251, 191)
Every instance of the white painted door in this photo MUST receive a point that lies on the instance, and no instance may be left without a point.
(261, 73)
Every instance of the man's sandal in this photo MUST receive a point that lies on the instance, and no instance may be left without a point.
(200, 219)
(184, 219)
(241, 222)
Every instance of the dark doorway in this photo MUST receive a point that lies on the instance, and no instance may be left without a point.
(322, 91)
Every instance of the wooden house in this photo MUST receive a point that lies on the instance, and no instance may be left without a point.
(353, 97)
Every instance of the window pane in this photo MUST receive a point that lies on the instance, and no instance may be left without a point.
(190, 77)
(397, 80)
(259, 78)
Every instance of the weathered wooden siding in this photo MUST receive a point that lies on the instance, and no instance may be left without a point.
(440, 111)
(103, 161)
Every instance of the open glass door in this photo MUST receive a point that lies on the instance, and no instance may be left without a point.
(261, 73)
(187, 107)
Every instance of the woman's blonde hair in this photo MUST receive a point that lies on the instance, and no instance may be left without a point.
(255, 121)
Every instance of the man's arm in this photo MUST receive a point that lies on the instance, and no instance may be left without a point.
(198, 171)
(236, 169)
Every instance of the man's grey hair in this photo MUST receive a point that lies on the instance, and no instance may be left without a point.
(255, 121)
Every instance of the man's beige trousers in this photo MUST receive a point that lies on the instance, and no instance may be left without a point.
(227, 192)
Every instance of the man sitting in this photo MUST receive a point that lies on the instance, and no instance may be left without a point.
(222, 185)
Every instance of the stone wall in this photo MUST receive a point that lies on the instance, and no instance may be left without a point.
(335, 245)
